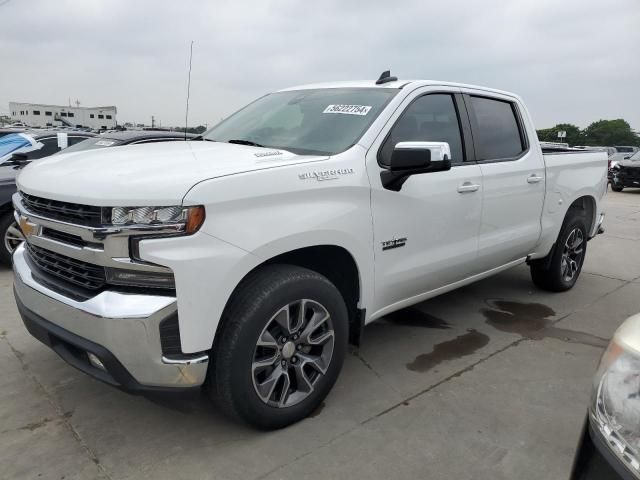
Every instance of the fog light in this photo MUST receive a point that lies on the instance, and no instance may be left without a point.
(95, 361)
(140, 278)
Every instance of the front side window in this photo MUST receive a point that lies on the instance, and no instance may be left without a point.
(496, 132)
(321, 122)
(430, 118)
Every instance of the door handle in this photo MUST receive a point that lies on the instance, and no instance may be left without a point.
(533, 178)
(468, 187)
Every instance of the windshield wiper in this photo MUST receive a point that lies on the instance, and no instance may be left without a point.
(245, 142)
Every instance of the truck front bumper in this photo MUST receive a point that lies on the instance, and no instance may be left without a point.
(112, 336)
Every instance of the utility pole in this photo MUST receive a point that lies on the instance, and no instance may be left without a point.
(153, 121)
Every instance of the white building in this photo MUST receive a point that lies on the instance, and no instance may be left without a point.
(40, 115)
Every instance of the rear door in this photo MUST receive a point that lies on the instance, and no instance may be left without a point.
(512, 177)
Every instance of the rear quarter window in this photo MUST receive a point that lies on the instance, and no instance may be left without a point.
(497, 133)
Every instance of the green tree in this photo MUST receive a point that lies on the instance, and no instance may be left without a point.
(611, 132)
(574, 135)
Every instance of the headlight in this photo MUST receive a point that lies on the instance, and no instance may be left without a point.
(191, 218)
(615, 409)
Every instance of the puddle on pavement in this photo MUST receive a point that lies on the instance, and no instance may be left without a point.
(533, 321)
(458, 347)
(412, 317)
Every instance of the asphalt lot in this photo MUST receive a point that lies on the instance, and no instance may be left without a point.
(487, 382)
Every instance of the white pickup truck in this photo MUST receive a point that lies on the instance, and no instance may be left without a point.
(247, 261)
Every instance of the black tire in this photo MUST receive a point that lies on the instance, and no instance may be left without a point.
(6, 250)
(250, 310)
(616, 188)
(548, 273)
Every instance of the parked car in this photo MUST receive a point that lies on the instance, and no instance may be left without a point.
(28, 145)
(620, 154)
(626, 173)
(77, 141)
(128, 137)
(10, 130)
(609, 447)
(250, 259)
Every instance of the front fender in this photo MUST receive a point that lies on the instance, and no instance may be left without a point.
(255, 216)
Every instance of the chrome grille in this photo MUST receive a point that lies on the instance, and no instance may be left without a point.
(64, 211)
(74, 271)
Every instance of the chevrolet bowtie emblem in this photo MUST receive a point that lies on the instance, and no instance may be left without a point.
(27, 227)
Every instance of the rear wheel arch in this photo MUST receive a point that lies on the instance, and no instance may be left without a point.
(584, 206)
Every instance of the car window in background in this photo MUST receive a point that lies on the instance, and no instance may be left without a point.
(497, 135)
(74, 139)
(92, 144)
(49, 147)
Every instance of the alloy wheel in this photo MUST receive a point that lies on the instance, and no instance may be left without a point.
(292, 354)
(572, 255)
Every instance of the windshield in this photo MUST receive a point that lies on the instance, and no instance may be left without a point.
(92, 144)
(321, 122)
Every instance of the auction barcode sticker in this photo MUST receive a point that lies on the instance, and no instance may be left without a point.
(348, 109)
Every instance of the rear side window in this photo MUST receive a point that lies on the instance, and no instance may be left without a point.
(496, 134)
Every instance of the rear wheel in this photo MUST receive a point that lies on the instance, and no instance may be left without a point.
(561, 270)
(11, 238)
(280, 348)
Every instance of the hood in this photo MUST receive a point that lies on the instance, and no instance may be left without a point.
(155, 174)
(630, 163)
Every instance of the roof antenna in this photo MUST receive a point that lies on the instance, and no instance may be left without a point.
(186, 115)
(386, 77)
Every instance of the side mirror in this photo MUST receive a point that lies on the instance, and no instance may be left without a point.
(18, 160)
(411, 158)
(627, 157)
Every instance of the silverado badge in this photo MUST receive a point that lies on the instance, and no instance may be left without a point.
(394, 243)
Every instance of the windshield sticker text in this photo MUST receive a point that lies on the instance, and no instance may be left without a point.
(348, 109)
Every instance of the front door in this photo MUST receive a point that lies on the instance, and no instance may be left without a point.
(425, 234)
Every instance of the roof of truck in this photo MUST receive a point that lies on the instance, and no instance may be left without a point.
(400, 83)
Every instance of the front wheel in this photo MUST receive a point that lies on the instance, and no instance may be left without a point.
(561, 271)
(616, 187)
(11, 238)
(280, 348)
